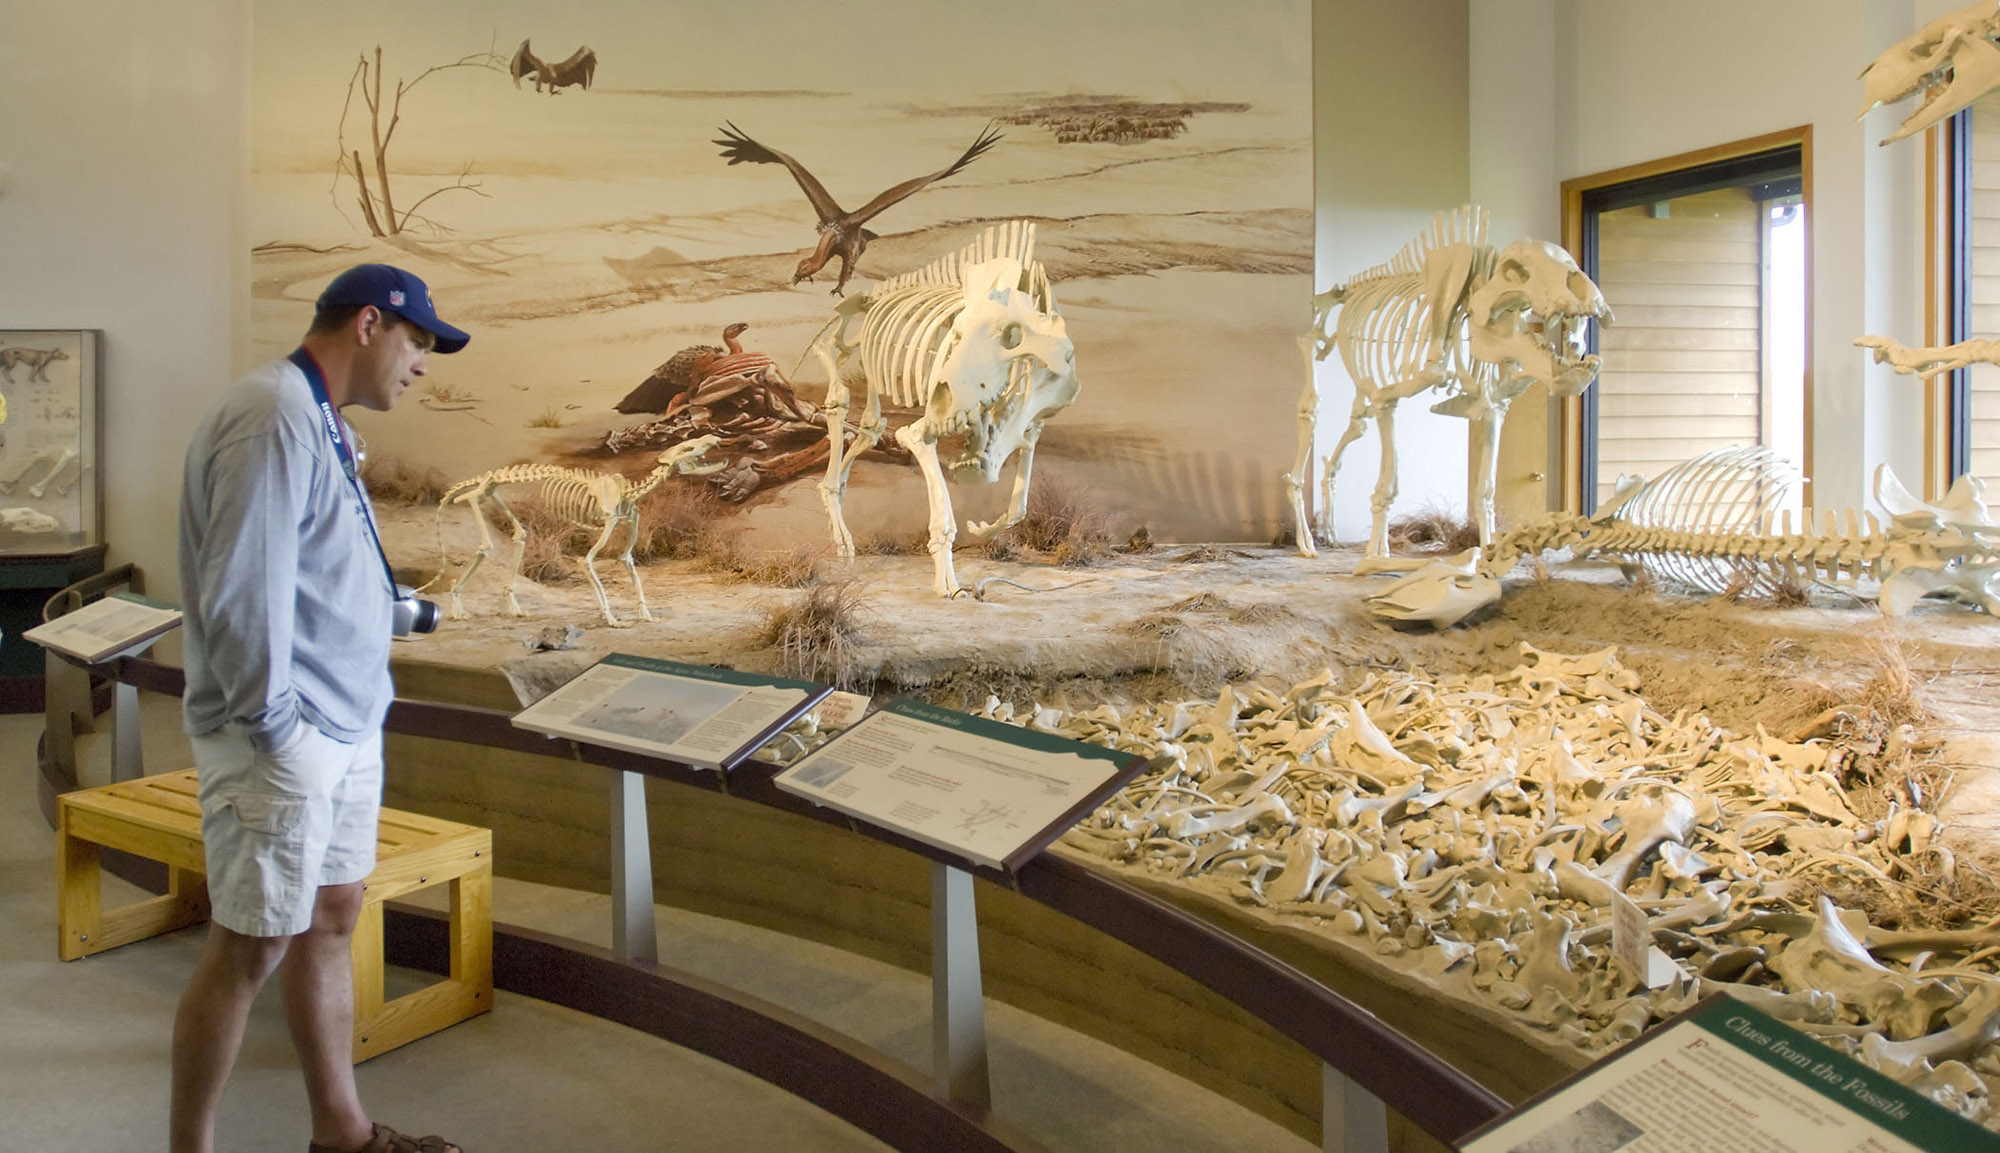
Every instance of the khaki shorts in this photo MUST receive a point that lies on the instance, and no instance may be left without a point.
(277, 826)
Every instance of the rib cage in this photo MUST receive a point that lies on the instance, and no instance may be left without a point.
(1724, 492)
(578, 497)
(906, 333)
(571, 493)
(1384, 328)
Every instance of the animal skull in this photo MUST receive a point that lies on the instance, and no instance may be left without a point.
(1010, 367)
(1529, 316)
(1952, 60)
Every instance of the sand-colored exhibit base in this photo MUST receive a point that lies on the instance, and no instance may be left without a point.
(1172, 624)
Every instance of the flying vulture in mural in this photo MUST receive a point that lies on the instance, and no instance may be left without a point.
(578, 70)
(840, 232)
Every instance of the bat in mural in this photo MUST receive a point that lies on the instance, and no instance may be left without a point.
(840, 232)
(578, 70)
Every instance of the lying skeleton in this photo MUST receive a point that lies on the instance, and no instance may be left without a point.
(1711, 523)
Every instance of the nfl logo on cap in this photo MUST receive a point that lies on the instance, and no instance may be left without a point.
(396, 298)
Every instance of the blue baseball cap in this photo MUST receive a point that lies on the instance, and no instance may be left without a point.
(392, 290)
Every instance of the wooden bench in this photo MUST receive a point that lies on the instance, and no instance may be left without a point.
(158, 818)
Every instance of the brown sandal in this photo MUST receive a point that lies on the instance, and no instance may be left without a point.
(387, 1140)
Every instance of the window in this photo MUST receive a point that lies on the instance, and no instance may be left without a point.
(1702, 258)
(1966, 416)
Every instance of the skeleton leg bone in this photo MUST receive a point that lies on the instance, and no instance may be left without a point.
(597, 585)
(631, 570)
(1295, 480)
(943, 531)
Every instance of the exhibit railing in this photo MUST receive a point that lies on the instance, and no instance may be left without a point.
(1367, 1065)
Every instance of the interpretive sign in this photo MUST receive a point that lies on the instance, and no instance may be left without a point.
(1725, 1076)
(707, 717)
(995, 794)
(108, 627)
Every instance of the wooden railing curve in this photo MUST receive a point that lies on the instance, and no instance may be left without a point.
(1427, 1091)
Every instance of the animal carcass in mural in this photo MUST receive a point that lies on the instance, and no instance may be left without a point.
(1449, 312)
(1953, 61)
(577, 71)
(975, 339)
(739, 398)
(592, 500)
(840, 232)
(1712, 523)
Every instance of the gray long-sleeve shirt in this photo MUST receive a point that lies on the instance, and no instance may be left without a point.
(287, 615)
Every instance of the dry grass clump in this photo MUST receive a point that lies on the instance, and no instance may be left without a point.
(679, 520)
(550, 417)
(793, 568)
(1192, 647)
(1783, 592)
(394, 480)
(1866, 710)
(818, 636)
(1208, 554)
(447, 393)
(914, 542)
(1790, 594)
(1063, 523)
(553, 551)
(1432, 530)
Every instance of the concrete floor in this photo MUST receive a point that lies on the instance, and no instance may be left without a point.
(83, 1045)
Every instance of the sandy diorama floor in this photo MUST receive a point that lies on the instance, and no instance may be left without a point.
(1171, 630)
(1181, 620)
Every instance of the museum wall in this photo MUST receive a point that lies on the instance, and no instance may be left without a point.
(1389, 120)
(1639, 82)
(123, 171)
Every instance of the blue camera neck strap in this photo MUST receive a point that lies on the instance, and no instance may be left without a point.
(336, 432)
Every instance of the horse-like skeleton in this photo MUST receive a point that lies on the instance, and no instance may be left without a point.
(605, 501)
(1449, 312)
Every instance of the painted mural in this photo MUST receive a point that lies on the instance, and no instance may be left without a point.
(613, 195)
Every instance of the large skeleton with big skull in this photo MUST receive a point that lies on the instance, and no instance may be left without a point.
(1449, 312)
(974, 338)
(1952, 61)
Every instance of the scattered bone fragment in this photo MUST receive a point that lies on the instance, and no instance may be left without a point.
(1477, 831)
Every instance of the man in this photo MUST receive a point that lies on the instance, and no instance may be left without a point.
(286, 634)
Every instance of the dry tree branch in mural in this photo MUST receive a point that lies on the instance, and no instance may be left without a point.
(378, 202)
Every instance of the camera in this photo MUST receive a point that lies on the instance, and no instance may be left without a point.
(410, 613)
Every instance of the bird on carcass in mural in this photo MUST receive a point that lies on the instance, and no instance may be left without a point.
(840, 231)
(742, 399)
